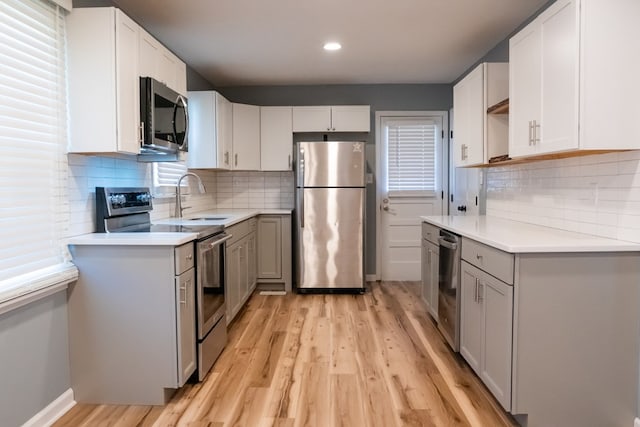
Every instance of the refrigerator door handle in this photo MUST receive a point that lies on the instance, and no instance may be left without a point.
(302, 183)
(301, 198)
(301, 207)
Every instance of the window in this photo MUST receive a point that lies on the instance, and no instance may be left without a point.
(165, 177)
(411, 156)
(32, 139)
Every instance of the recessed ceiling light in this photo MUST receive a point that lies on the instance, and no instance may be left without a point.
(332, 46)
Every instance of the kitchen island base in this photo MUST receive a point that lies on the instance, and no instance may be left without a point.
(131, 324)
(576, 338)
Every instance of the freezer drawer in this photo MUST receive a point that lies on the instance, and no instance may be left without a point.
(330, 233)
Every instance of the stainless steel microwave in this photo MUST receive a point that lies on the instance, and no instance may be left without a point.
(164, 119)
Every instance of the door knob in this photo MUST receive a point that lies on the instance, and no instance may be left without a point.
(385, 204)
(385, 207)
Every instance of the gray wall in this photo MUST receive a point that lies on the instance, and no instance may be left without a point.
(34, 358)
(379, 97)
(500, 52)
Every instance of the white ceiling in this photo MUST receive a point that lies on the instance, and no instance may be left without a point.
(279, 42)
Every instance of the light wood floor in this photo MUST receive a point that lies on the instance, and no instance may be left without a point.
(324, 360)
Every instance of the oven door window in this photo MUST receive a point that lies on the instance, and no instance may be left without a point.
(210, 285)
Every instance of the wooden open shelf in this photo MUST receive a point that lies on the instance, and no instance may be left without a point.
(501, 107)
(550, 156)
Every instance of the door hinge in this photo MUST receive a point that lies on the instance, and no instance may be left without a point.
(442, 195)
(442, 133)
(452, 198)
(476, 200)
(451, 134)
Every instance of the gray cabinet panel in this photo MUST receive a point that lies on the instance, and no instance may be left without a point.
(186, 326)
(270, 247)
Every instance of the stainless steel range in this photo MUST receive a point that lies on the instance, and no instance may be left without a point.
(121, 210)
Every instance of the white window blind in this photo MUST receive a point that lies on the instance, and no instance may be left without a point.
(411, 156)
(32, 139)
(166, 175)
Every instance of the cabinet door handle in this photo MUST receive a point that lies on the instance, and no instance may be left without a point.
(429, 257)
(226, 157)
(141, 133)
(189, 257)
(480, 292)
(536, 136)
(183, 288)
(475, 292)
(289, 160)
(530, 132)
(236, 159)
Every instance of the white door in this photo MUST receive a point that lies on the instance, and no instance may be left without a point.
(412, 171)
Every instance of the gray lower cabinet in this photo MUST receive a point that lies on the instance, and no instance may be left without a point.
(274, 250)
(555, 337)
(132, 332)
(486, 329)
(186, 325)
(240, 266)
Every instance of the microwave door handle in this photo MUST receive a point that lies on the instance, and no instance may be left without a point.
(181, 101)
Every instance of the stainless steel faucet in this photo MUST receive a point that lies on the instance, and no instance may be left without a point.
(201, 189)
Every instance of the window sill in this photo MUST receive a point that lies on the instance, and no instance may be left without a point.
(35, 287)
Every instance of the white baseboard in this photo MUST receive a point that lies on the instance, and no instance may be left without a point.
(636, 422)
(53, 411)
(372, 277)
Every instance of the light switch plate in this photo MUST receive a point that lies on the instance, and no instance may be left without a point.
(369, 178)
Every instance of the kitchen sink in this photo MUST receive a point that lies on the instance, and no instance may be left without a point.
(209, 218)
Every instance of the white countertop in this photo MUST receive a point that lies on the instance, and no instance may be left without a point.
(228, 218)
(519, 237)
(133, 239)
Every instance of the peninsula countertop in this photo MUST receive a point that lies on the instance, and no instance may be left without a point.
(519, 237)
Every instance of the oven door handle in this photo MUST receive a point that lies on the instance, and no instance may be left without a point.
(220, 240)
(447, 244)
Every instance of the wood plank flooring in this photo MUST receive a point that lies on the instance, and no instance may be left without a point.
(324, 360)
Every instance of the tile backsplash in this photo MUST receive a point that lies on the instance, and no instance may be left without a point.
(224, 190)
(246, 190)
(596, 194)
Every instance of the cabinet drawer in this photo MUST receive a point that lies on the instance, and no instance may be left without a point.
(184, 258)
(494, 261)
(430, 232)
(241, 229)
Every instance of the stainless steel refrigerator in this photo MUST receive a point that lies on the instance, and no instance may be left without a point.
(330, 220)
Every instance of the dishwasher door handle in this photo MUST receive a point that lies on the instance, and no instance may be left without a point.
(447, 244)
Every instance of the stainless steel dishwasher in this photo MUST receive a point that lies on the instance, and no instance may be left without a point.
(449, 285)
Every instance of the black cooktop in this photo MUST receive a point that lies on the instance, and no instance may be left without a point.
(202, 230)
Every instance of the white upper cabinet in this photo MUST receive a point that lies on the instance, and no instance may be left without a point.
(572, 86)
(107, 54)
(210, 131)
(276, 138)
(246, 137)
(350, 118)
(477, 135)
(104, 90)
(158, 62)
(344, 118)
